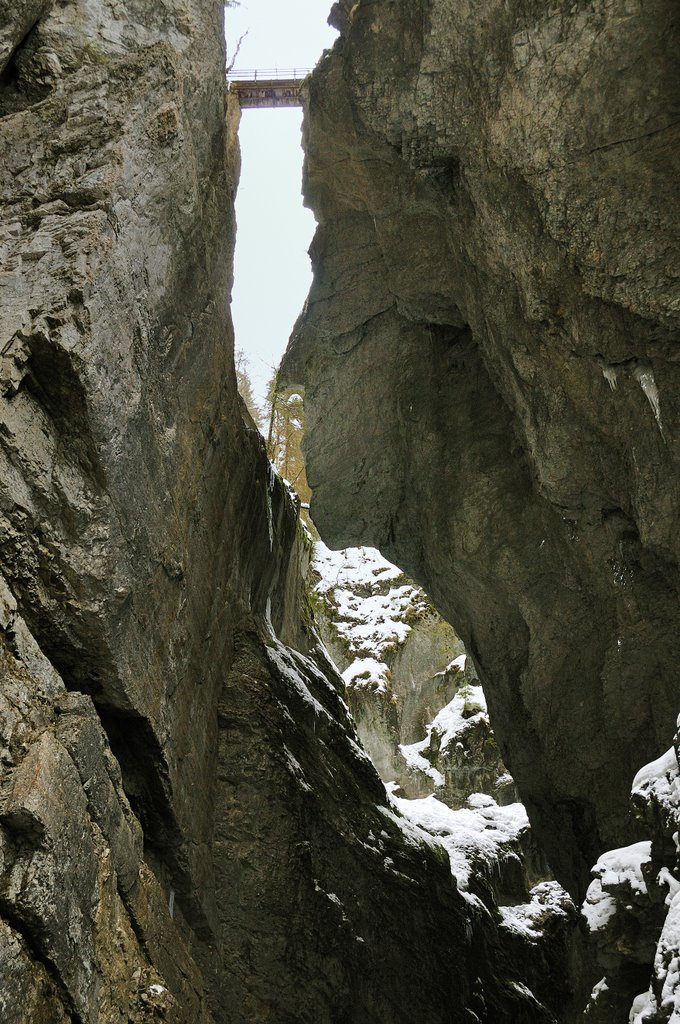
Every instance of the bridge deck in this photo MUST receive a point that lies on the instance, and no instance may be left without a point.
(268, 88)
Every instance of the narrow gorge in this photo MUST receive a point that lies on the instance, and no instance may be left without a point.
(191, 827)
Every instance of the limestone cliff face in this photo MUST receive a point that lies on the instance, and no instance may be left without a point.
(489, 357)
(189, 830)
(116, 256)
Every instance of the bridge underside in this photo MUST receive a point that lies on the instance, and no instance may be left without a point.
(260, 93)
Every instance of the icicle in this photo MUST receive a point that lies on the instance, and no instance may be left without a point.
(270, 520)
(608, 372)
(643, 374)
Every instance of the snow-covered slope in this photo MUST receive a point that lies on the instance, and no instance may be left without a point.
(441, 765)
(419, 708)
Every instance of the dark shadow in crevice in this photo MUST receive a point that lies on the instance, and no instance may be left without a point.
(146, 782)
(145, 775)
(54, 383)
(29, 934)
(20, 83)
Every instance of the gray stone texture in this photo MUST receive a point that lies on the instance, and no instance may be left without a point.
(489, 361)
(189, 830)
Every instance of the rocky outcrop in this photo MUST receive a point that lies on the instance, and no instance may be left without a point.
(632, 908)
(189, 830)
(538, 952)
(413, 693)
(489, 361)
(458, 755)
(86, 927)
(390, 645)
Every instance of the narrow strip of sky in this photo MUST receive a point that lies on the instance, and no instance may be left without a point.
(271, 272)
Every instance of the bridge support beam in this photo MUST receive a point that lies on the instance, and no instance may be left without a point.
(272, 93)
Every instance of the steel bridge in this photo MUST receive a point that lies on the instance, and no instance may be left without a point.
(269, 88)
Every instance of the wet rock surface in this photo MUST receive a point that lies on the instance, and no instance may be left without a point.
(489, 363)
(107, 444)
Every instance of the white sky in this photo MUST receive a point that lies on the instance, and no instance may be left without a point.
(272, 274)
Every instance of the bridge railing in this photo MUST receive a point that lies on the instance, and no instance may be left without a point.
(269, 75)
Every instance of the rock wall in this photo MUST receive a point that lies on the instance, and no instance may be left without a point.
(116, 246)
(189, 830)
(489, 361)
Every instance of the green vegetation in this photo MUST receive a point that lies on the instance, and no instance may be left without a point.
(245, 387)
(470, 707)
(284, 435)
(282, 421)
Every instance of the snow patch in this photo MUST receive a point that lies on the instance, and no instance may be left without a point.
(641, 1008)
(468, 835)
(368, 672)
(467, 709)
(458, 665)
(548, 900)
(659, 781)
(412, 754)
(372, 617)
(616, 871)
(665, 878)
(351, 567)
(624, 867)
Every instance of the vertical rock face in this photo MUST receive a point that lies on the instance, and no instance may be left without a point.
(115, 277)
(121, 458)
(114, 412)
(490, 367)
(189, 830)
